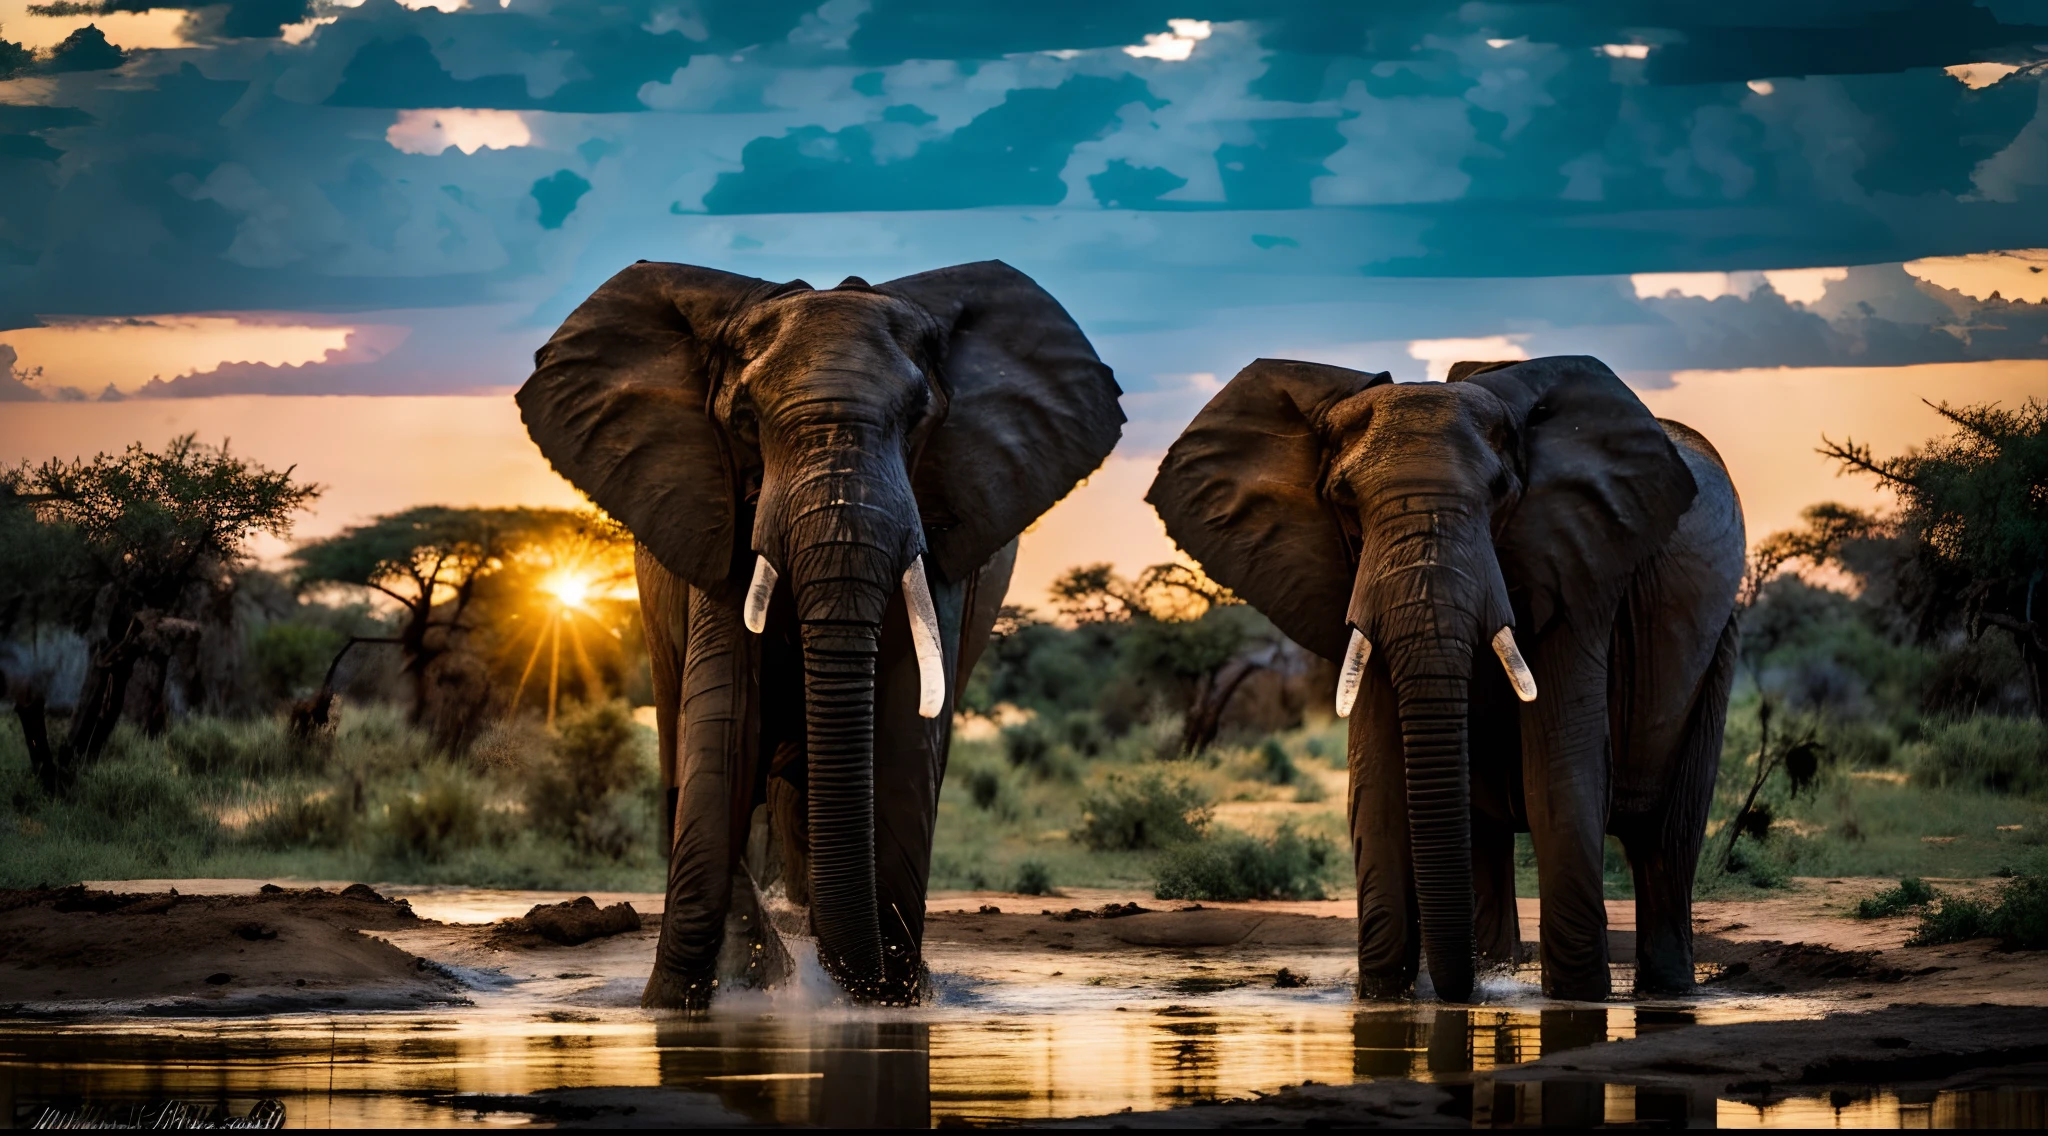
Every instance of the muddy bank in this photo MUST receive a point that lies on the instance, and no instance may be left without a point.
(75, 951)
(1902, 1050)
(1899, 1047)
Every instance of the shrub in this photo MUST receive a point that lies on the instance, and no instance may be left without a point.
(1911, 892)
(573, 791)
(208, 745)
(1753, 866)
(444, 815)
(290, 658)
(1027, 745)
(986, 787)
(1233, 865)
(1033, 878)
(317, 820)
(1151, 811)
(2004, 755)
(2018, 917)
(1275, 766)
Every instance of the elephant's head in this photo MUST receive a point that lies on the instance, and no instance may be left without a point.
(844, 444)
(1428, 525)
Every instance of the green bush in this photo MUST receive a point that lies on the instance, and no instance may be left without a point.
(288, 659)
(1150, 811)
(2018, 917)
(324, 819)
(1275, 766)
(1911, 892)
(575, 791)
(256, 748)
(1231, 865)
(1033, 878)
(444, 815)
(2004, 755)
(986, 787)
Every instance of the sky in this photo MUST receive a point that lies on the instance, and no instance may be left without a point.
(335, 233)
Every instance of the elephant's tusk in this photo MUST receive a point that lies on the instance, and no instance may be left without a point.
(758, 593)
(1353, 673)
(1519, 674)
(924, 637)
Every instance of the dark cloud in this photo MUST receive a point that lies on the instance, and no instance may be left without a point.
(1124, 186)
(405, 73)
(86, 49)
(1012, 154)
(557, 196)
(1274, 171)
(210, 19)
(1298, 157)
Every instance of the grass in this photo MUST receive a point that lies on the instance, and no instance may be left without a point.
(1090, 810)
(374, 801)
(1060, 804)
(1924, 798)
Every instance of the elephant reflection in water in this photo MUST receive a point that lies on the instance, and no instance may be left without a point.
(1534, 513)
(844, 1074)
(826, 487)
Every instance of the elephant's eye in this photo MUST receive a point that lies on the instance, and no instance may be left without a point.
(743, 422)
(1502, 485)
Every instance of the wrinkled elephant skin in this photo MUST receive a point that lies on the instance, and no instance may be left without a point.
(1530, 582)
(826, 487)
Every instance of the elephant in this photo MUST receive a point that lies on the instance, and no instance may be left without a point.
(1399, 528)
(825, 487)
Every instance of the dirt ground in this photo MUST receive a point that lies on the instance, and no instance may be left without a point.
(1872, 1011)
(73, 951)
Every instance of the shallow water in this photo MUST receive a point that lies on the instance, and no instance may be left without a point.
(912, 1068)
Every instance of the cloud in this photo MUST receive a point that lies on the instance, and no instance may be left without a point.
(433, 131)
(1009, 155)
(1798, 285)
(1174, 45)
(1439, 354)
(2015, 274)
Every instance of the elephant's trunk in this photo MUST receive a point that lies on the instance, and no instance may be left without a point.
(844, 538)
(1426, 597)
(1432, 679)
(839, 695)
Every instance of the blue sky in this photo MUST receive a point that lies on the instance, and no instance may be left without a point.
(420, 195)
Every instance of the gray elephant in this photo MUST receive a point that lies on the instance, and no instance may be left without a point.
(826, 488)
(1417, 532)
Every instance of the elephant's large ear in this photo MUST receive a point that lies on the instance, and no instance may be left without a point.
(618, 404)
(1241, 492)
(1030, 410)
(1603, 486)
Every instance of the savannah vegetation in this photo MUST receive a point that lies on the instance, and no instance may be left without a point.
(459, 695)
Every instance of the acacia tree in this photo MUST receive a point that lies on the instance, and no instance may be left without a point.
(440, 565)
(1974, 507)
(1183, 631)
(154, 535)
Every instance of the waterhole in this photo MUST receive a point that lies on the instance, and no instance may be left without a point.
(913, 1068)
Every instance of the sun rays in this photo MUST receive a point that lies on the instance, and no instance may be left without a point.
(574, 579)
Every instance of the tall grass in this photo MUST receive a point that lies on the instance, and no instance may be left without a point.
(374, 800)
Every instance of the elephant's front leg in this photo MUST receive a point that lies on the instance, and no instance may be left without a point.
(715, 784)
(1566, 783)
(1389, 923)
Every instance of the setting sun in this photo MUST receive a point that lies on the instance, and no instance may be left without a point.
(570, 589)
